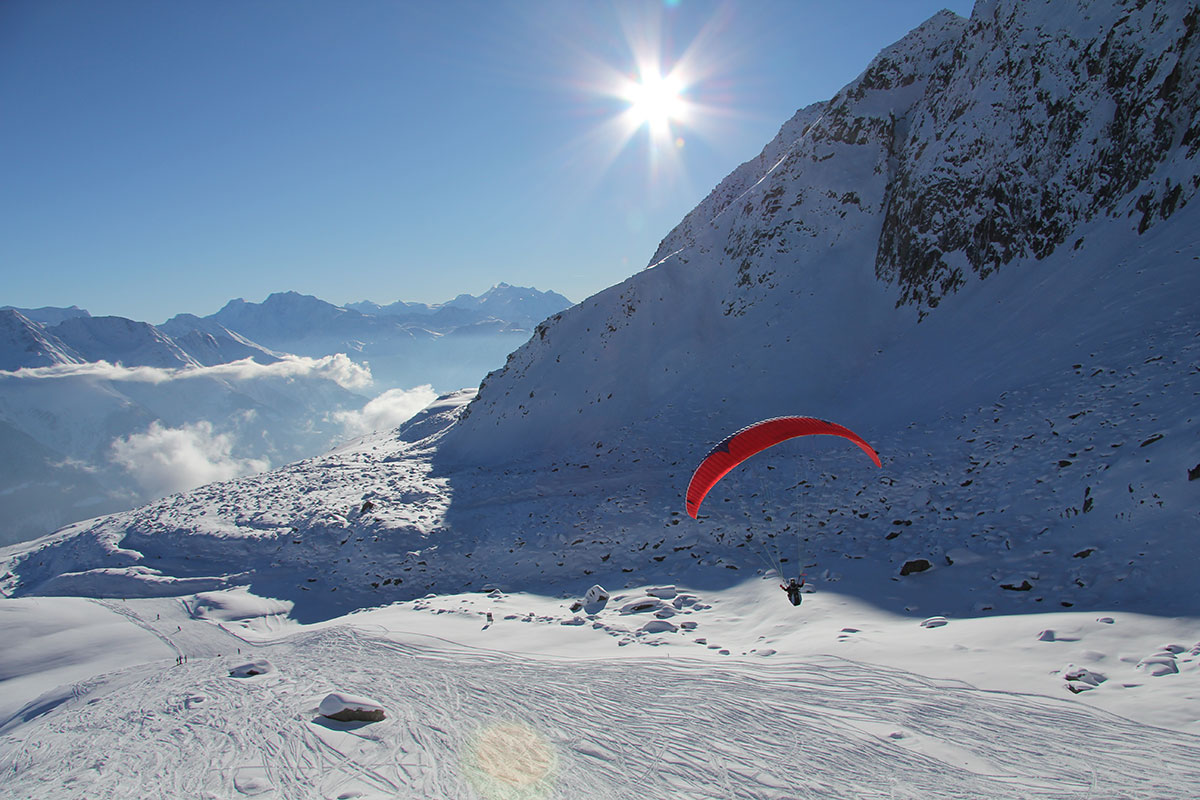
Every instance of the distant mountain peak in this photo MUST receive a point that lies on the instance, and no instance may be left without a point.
(117, 339)
(49, 315)
(25, 343)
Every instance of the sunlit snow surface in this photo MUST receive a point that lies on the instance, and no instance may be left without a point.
(531, 706)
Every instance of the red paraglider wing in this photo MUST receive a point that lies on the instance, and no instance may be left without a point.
(755, 438)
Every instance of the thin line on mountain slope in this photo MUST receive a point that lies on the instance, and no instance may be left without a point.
(787, 153)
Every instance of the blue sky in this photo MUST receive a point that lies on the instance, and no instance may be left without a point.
(165, 157)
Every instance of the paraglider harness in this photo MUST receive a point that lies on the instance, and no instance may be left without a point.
(793, 589)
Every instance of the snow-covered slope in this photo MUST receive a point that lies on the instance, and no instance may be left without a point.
(210, 342)
(49, 315)
(25, 343)
(777, 291)
(124, 341)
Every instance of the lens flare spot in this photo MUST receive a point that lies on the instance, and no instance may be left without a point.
(510, 761)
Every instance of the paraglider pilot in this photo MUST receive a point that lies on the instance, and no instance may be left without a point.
(793, 590)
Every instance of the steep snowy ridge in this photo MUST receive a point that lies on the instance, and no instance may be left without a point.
(25, 343)
(211, 343)
(124, 341)
(49, 315)
(835, 227)
(904, 65)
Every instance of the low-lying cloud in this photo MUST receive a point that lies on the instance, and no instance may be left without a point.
(387, 410)
(337, 368)
(167, 460)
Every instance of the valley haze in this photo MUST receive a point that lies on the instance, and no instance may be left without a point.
(980, 255)
(100, 414)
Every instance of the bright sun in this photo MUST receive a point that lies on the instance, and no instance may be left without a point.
(655, 101)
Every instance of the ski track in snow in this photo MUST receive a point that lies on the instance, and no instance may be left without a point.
(671, 728)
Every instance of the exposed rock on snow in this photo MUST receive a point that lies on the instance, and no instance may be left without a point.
(350, 708)
(915, 565)
(249, 669)
(596, 599)
(1159, 664)
(659, 626)
(1082, 679)
(644, 605)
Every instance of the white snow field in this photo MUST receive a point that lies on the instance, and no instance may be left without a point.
(752, 700)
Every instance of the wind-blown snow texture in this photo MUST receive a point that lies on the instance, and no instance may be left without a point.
(980, 256)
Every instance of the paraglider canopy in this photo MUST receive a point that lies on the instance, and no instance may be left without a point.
(739, 446)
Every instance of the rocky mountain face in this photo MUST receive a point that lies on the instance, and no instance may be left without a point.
(980, 256)
(966, 146)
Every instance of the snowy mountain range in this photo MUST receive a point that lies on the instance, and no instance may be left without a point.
(288, 323)
(206, 398)
(981, 256)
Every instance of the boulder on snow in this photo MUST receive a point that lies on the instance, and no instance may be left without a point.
(916, 565)
(595, 599)
(1012, 585)
(1159, 664)
(251, 668)
(659, 626)
(1082, 679)
(350, 708)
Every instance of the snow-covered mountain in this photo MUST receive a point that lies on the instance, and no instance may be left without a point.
(25, 343)
(210, 343)
(449, 345)
(48, 336)
(779, 295)
(515, 306)
(981, 256)
(49, 315)
(124, 341)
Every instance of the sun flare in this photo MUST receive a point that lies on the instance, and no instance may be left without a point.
(656, 101)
